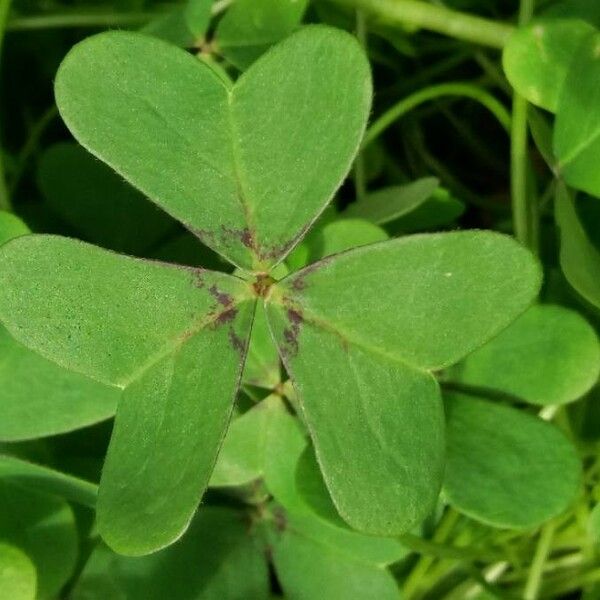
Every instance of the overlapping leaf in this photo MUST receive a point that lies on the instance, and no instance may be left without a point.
(538, 57)
(235, 164)
(549, 355)
(359, 334)
(577, 129)
(507, 468)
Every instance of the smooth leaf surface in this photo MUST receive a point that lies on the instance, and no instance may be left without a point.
(390, 203)
(197, 16)
(94, 200)
(427, 300)
(549, 355)
(538, 57)
(356, 332)
(234, 164)
(170, 424)
(241, 458)
(439, 211)
(577, 127)
(39, 398)
(284, 447)
(44, 528)
(507, 468)
(377, 551)
(216, 559)
(112, 326)
(250, 27)
(11, 227)
(366, 414)
(17, 574)
(338, 236)
(579, 258)
(39, 478)
(262, 367)
(309, 570)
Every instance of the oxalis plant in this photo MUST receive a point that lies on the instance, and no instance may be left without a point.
(338, 403)
(247, 167)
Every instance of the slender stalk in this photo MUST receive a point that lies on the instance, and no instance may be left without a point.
(413, 581)
(536, 571)
(31, 145)
(100, 18)
(5, 203)
(452, 23)
(96, 17)
(407, 104)
(525, 208)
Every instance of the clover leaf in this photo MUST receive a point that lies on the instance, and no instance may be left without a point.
(248, 166)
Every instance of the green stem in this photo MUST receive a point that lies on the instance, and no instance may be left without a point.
(413, 581)
(5, 203)
(407, 104)
(31, 145)
(534, 579)
(99, 18)
(415, 13)
(525, 208)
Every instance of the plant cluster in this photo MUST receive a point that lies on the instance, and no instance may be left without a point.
(284, 314)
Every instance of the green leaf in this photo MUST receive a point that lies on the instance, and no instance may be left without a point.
(538, 57)
(342, 235)
(378, 551)
(358, 356)
(11, 227)
(308, 569)
(44, 528)
(169, 426)
(311, 487)
(197, 16)
(438, 211)
(171, 27)
(241, 459)
(39, 398)
(549, 355)
(366, 415)
(577, 128)
(285, 443)
(17, 574)
(390, 203)
(247, 151)
(424, 300)
(579, 258)
(250, 27)
(113, 326)
(574, 9)
(216, 560)
(262, 367)
(507, 468)
(98, 203)
(593, 525)
(43, 479)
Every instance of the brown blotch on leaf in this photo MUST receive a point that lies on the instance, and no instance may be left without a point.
(225, 316)
(290, 334)
(236, 341)
(221, 297)
(262, 284)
